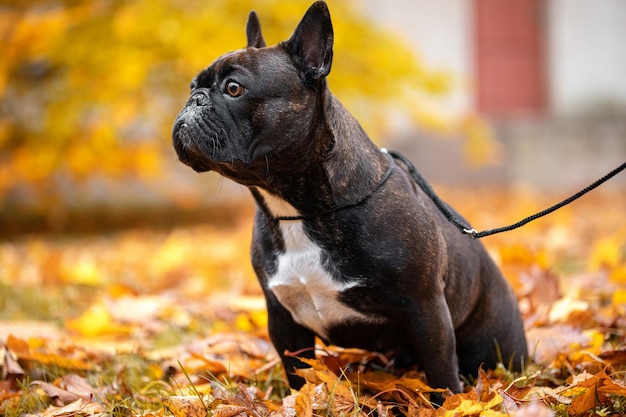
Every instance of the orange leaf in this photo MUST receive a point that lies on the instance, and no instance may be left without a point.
(592, 388)
(323, 374)
(18, 346)
(304, 401)
(213, 367)
(380, 381)
(23, 351)
(608, 386)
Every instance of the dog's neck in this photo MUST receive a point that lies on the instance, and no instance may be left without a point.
(350, 170)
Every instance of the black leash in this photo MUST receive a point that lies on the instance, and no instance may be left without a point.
(464, 228)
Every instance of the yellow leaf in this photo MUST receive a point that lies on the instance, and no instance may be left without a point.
(96, 321)
(303, 405)
(333, 384)
(468, 406)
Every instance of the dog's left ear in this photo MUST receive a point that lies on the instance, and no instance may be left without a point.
(253, 31)
(311, 45)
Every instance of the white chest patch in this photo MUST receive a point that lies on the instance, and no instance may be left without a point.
(301, 283)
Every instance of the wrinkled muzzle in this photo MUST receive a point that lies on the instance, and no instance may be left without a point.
(196, 132)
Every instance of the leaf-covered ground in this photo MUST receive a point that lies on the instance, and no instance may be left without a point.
(159, 323)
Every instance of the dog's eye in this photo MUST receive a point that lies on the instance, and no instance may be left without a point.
(234, 89)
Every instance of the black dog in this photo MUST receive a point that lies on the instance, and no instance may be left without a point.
(345, 246)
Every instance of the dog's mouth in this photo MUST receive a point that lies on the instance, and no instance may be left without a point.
(196, 145)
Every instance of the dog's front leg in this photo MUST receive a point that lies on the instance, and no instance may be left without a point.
(289, 337)
(432, 336)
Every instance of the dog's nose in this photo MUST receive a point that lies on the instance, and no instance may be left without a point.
(199, 97)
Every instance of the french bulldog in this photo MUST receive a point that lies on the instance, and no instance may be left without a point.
(346, 247)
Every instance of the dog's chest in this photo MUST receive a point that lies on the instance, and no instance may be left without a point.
(302, 284)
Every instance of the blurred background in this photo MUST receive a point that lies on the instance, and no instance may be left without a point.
(481, 93)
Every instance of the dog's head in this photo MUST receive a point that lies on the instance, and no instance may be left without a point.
(259, 106)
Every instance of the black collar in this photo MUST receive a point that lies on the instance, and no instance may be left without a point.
(380, 184)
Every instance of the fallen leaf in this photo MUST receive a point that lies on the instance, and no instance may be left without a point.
(78, 385)
(43, 355)
(303, 405)
(335, 386)
(58, 395)
(593, 391)
(186, 406)
(460, 405)
(381, 381)
(78, 408)
(18, 346)
(614, 357)
(11, 368)
(225, 410)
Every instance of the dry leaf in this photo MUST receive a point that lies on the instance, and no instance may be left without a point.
(58, 395)
(43, 355)
(227, 410)
(186, 406)
(334, 385)
(593, 391)
(78, 385)
(468, 405)
(303, 405)
(11, 368)
(381, 381)
(79, 408)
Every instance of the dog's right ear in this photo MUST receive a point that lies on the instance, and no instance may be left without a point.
(311, 45)
(253, 31)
